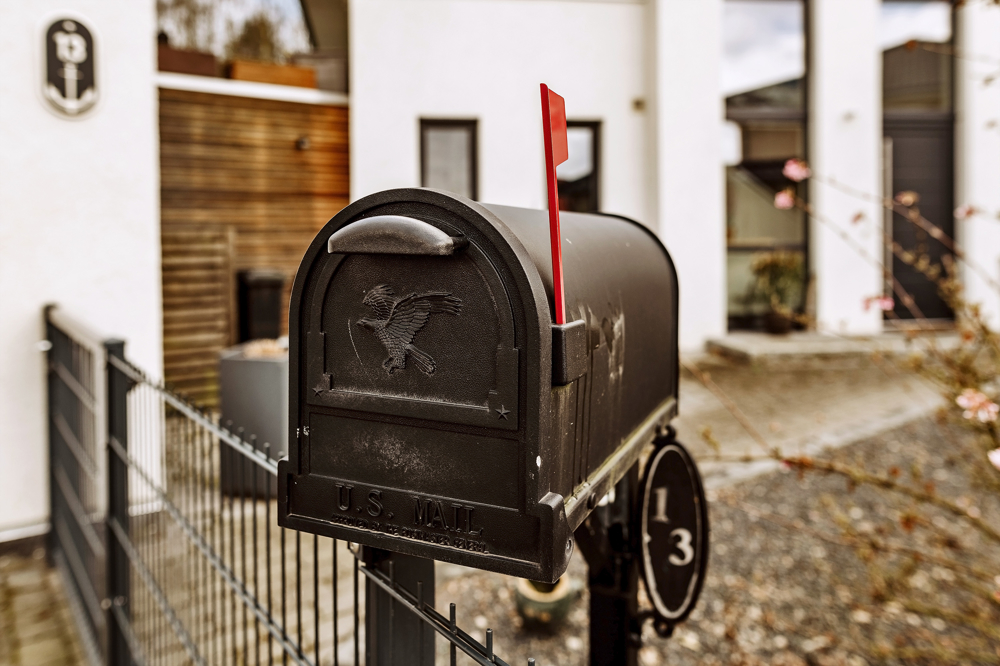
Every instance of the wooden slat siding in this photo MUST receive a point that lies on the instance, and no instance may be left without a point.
(236, 194)
(196, 281)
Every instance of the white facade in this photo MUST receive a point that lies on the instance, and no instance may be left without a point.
(663, 165)
(484, 61)
(977, 143)
(79, 222)
(845, 139)
(686, 148)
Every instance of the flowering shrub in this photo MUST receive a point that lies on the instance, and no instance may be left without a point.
(785, 199)
(977, 406)
(949, 537)
(883, 303)
(796, 170)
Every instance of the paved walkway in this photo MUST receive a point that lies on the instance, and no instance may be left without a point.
(36, 628)
(799, 405)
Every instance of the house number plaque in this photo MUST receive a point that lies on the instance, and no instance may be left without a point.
(674, 532)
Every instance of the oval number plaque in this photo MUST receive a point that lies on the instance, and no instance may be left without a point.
(674, 532)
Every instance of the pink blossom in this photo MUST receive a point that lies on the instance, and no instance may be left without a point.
(965, 212)
(796, 170)
(977, 406)
(784, 200)
(994, 457)
(883, 303)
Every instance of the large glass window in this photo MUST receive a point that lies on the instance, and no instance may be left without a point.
(763, 83)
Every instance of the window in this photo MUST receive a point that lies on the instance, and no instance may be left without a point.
(448, 156)
(764, 87)
(579, 176)
(918, 141)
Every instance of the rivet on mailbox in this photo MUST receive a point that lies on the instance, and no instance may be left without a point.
(437, 411)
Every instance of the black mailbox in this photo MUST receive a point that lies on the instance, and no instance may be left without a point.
(436, 411)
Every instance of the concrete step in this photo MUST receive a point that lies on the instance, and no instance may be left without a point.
(811, 346)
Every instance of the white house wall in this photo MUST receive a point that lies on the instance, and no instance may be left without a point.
(685, 46)
(845, 128)
(484, 59)
(79, 221)
(978, 152)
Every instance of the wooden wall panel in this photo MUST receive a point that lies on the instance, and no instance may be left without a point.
(236, 193)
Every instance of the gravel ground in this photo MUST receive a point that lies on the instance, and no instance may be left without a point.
(782, 586)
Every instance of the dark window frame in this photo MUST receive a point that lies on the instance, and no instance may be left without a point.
(452, 123)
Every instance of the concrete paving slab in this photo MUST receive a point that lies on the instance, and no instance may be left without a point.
(798, 410)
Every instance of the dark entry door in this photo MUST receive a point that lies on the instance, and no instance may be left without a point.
(922, 162)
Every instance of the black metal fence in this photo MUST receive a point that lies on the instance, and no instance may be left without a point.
(164, 564)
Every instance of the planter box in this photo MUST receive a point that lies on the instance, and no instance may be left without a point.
(186, 62)
(253, 394)
(262, 72)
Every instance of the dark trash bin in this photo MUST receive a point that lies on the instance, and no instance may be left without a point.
(253, 395)
(259, 303)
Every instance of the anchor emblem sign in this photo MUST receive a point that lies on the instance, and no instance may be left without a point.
(69, 59)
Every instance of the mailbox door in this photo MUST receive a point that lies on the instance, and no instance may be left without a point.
(409, 343)
(404, 338)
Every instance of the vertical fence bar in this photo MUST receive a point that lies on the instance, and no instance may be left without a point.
(117, 561)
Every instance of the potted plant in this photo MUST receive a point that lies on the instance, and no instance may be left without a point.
(778, 280)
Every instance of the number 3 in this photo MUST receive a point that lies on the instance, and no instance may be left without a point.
(684, 545)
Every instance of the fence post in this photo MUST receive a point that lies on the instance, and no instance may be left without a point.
(118, 569)
(394, 636)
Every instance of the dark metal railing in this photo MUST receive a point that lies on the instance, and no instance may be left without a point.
(77, 475)
(169, 563)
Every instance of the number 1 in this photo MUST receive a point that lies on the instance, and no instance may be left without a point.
(661, 505)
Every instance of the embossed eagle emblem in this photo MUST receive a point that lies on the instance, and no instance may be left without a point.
(397, 321)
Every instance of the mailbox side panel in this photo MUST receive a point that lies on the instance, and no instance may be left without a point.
(621, 282)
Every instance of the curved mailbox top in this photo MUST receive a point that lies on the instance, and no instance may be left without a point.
(434, 408)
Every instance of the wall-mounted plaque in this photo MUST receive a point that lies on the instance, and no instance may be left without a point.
(69, 85)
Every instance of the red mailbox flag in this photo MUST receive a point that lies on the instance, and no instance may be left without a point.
(556, 152)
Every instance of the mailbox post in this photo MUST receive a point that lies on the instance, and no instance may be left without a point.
(435, 410)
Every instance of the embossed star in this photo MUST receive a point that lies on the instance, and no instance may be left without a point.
(503, 412)
(319, 389)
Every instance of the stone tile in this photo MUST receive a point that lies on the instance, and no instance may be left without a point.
(25, 579)
(36, 627)
(43, 651)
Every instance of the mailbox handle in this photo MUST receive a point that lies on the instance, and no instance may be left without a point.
(393, 234)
